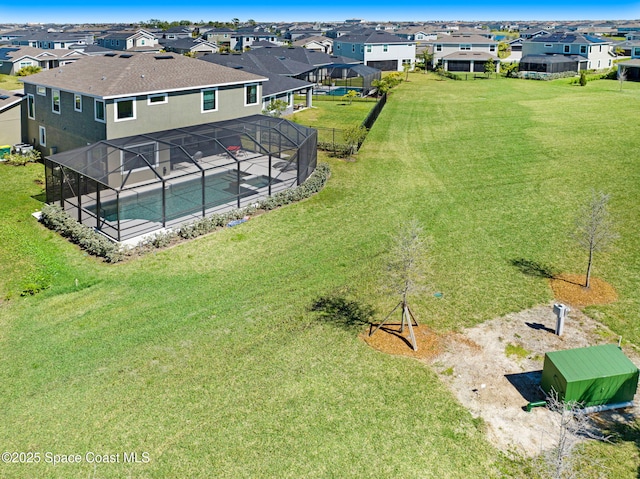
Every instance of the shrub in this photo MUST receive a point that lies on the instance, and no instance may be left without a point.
(26, 71)
(17, 159)
(583, 78)
(54, 218)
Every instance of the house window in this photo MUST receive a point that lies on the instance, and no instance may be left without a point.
(492, 48)
(42, 91)
(251, 95)
(636, 52)
(368, 48)
(157, 99)
(55, 101)
(385, 48)
(77, 102)
(138, 158)
(583, 49)
(31, 106)
(141, 42)
(42, 136)
(438, 48)
(125, 109)
(465, 46)
(99, 110)
(567, 48)
(209, 100)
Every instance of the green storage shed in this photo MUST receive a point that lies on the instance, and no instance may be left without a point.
(592, 376)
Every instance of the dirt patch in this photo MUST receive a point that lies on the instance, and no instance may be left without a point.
(569, 288)
(494, 369)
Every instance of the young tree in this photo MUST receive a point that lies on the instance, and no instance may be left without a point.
(276, 108)
(354, 136)
(406, 67)
(405, 272)
(594, 229)
(583, 78)
(571, 427)
(349, 96)
(622, 76)
(381, 86)
(489, 67)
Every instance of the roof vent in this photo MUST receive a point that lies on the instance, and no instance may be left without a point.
(163, 57)
(109, 54)
(126, 55)
(4, 97)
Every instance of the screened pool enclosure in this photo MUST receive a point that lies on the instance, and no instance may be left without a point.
(131, 186)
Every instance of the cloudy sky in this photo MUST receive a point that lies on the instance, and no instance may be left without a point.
(75, 11)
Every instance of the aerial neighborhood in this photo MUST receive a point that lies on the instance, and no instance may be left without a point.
(320, 249)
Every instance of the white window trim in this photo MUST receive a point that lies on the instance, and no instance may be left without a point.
(202, 110)
(566, 48)
(156, 158)
(115, 109)
(53, 96)
(42, 136)
(257, 94)
(156, 95)
(465, 47)
(41, 90)
(31, 98)
(95, 110)
(75, 102)
(583, 49)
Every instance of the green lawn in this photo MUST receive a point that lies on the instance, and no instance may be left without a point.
(207, 356)
(10, 82)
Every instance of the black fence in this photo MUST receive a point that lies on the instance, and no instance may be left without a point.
(333, 140)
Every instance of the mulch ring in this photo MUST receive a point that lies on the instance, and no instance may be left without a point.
(390, 340)
(569, 288)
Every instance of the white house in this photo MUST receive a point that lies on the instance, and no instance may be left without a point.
(465, 52)
(377, 49)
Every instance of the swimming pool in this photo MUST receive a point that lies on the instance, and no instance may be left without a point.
(342, 90)
(183, 199)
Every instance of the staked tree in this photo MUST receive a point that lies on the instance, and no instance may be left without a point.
(594, 229)
(406, 269)
(489, 67)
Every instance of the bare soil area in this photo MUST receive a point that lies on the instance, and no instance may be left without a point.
(494, 369)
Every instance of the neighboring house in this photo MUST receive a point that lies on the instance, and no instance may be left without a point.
(281, 85)
(533, 32)
(417, 34)
(190, 46)
(11, 117)
(175, 33)
(138, 41)
(14, 59)
(462, 52)
(50, 41)
(632, 67)
(241, 41)
(316, 43)
(561, 52)
(113, 96)
(220, 36)
(377, 49)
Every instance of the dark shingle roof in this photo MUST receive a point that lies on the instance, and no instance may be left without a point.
(372, 36)
(9, 98)
(120, 75)
(566, 38)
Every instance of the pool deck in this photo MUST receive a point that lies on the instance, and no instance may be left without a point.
(133, 231)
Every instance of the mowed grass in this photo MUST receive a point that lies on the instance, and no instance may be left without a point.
(207, 356)
(336, 113)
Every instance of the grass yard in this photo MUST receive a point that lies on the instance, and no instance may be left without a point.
(10, 82)
(333, 114)
(207, 355)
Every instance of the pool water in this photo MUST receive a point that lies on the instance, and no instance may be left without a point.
(183, 199)
(342, 90)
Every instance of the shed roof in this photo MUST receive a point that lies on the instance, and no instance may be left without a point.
(593, 362)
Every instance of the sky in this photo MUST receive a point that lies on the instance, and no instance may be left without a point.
(125, 11)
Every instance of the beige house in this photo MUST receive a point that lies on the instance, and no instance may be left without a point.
(10, 117)
(465, 52)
